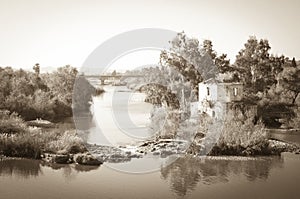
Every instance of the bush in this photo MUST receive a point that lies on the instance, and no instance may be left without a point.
(67, 141)
(33, 95)
(22, 145)
(239, 135)
(295, 121)
(241, 131)
(18, 140)
(11, 123)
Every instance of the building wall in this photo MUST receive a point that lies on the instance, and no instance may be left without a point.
(194, 109)
(208, 92)
(213, 97)
(234, 92)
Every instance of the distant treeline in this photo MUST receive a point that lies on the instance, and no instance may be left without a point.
(40, 95)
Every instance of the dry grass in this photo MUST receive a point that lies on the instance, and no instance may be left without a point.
(241, 131)
(23, 141)
(238, 134)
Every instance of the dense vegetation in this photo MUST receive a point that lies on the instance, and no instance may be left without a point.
(33, 95)
(270, 81)
(26, 95)
(19, 140)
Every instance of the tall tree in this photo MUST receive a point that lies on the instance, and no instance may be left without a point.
(289, 79)
(254, 66)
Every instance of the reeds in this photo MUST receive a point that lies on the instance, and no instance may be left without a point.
(23, 141)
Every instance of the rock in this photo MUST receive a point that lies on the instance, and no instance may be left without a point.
(136, 156)
(61, 159)
(76, 148)
(87, 159)
(41, 123)
(166, 153)
(62, 152)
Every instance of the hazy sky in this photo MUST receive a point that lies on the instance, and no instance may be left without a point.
(59, 32)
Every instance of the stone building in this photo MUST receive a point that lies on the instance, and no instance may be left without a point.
(215, 97)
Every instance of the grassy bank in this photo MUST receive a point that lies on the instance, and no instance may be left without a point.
(240, 135)
(19, 140)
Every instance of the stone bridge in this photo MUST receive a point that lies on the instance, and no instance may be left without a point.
(117, 77)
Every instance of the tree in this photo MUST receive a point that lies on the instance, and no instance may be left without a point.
(254, 66)
(36, 69)
(189, 49)
(223, 64)
(289, 79)
(61, 83)
(208, 49)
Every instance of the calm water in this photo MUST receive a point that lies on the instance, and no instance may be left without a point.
(221, 177)
(120, 117)
(186, 177)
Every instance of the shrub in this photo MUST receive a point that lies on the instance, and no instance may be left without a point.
(22, 145)
(241, 130)
(237, 135)
(295, 122)
(11, 123)
(68, 141)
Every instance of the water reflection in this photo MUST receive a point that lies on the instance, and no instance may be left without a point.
(186, 172)
(25, 168)
(70, 171)
(22, 168)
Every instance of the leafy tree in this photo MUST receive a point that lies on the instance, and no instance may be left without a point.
(61, 83)
(36, 69)
(289, 80)
(34, 95)
(254, 65)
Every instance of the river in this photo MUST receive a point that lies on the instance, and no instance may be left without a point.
(225, 177)
(186, 177)
(120, 117)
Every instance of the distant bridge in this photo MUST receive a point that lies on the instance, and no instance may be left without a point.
(116, 77)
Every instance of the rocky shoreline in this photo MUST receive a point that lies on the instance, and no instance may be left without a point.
(97, 155)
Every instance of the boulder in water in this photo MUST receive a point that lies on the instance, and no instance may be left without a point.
(87, 159)
(61, 159)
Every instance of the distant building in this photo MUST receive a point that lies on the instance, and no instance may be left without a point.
(215, 97)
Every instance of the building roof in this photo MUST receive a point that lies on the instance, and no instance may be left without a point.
(217, 81)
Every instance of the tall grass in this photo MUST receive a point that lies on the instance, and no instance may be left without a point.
(18, 140)
(11, 123)
(240, 130)
(67, 141)
(238, 134)
(295, 121)
(22, 145)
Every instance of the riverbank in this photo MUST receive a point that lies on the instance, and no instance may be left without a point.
(95, 155)
(65, 146)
